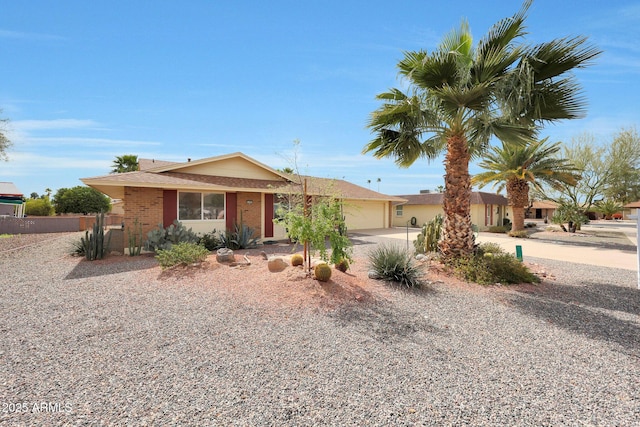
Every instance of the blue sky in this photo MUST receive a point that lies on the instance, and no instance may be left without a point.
(82, 82)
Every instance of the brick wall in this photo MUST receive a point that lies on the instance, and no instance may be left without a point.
(251, 212)
(145, 205)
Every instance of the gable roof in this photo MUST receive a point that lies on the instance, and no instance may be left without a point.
(172, 175)
(633, 205)
(477, 198)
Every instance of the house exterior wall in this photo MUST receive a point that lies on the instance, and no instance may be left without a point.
(234, 167)
(144, 205)
(422, 214)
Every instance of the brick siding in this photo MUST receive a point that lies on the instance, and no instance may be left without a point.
(145, 205)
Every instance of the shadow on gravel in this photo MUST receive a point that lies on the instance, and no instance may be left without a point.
(385, 322)
(606, 240)
(110, 265)
(589, 309)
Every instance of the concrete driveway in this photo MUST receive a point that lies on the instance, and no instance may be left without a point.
(557, 250)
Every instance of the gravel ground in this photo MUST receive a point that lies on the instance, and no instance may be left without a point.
(117, 344)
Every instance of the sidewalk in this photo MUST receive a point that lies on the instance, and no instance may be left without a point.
(532, 248)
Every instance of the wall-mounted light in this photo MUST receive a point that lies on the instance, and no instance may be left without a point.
(249, 202)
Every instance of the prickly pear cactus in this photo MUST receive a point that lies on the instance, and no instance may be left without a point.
(322, 272)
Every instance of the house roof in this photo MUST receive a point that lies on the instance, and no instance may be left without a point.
(9, 189)
(633, 205)
(477, 198)
(543, 204)
(166, 175)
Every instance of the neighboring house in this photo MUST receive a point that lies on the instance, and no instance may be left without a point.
(217, 192)
(541, 209)
(628, 211)
(11, 200)
(487, 209)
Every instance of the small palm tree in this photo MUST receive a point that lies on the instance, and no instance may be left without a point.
(125, 163)
(608, 208)
(519, 166)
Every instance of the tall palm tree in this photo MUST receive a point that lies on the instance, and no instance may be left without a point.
(519, 166)
(125, 163)
(460, 96)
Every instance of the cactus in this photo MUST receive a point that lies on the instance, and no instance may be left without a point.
(135, 238)
(94, 244)
(342, 265)
(322, 272)
(427, 240)
(297, 259)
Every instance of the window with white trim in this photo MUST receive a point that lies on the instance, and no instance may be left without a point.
(200, 206)
(399, 210)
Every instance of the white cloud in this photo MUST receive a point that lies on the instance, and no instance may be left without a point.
(26, 125)
(22, 35)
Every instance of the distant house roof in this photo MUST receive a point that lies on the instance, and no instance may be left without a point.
(544, 204)
(633, 205)
(477, 198)
(9, 189)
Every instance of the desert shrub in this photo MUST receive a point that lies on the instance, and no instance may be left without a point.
(507, 223)
(519, 234)
(164, 238)
(490, 265)
(39, 207)
(498, 229)
(531, 225)
(211, 241)
(181, 253)
(395, 264)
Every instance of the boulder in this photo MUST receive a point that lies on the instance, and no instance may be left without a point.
(225, 255)
(276, 264)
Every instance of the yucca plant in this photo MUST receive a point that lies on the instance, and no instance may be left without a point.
(395, 264)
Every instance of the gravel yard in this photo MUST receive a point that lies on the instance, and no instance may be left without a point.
(120, 342)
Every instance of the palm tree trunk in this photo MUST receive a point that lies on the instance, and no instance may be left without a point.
(457, 234)
(518, 218)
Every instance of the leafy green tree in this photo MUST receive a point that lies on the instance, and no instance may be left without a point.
(519, 166)
(623, 182)
(34, 195)
(5, 143)
(460, 96)
(125, 163)
(80, 199)
(38, 207)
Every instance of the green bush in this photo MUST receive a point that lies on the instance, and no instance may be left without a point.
(498, 229)
(395, 264)
(520, 234)
(38, 207)
(181, 253)
(490, 265)
(211, 241)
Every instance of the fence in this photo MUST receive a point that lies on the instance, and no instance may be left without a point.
(52, 224)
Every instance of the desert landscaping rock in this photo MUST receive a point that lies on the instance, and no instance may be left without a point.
(121, 342)
(277, 264)
(225, 255)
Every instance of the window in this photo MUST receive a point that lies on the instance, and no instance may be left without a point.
(399, 210)
(200, 206)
